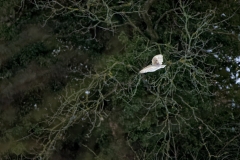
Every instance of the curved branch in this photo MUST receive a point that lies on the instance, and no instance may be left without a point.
(148, 21)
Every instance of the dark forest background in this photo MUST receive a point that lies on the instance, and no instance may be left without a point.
(70, 86)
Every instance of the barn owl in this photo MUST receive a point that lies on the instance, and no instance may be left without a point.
(156, 64)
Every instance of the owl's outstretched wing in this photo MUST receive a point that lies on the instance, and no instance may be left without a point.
(158, 59)
(151, 68)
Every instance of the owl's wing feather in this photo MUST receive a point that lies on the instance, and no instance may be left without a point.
(151, 68)
(158, 59)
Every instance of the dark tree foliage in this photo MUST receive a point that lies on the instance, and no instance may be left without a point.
(188, 110)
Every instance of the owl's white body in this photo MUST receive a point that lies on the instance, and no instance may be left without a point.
(156, 64)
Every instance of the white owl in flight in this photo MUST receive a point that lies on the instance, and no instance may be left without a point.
(156, 64)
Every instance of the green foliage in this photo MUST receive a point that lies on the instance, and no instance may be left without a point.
(65, 26)
(14, 15)
(29, 101)
(8, 29)
(56, 85)
(167, 114)
(104, 140)
(8, 32)
(22, 59)
(169, 103)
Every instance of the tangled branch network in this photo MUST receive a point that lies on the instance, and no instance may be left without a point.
(156, 64)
